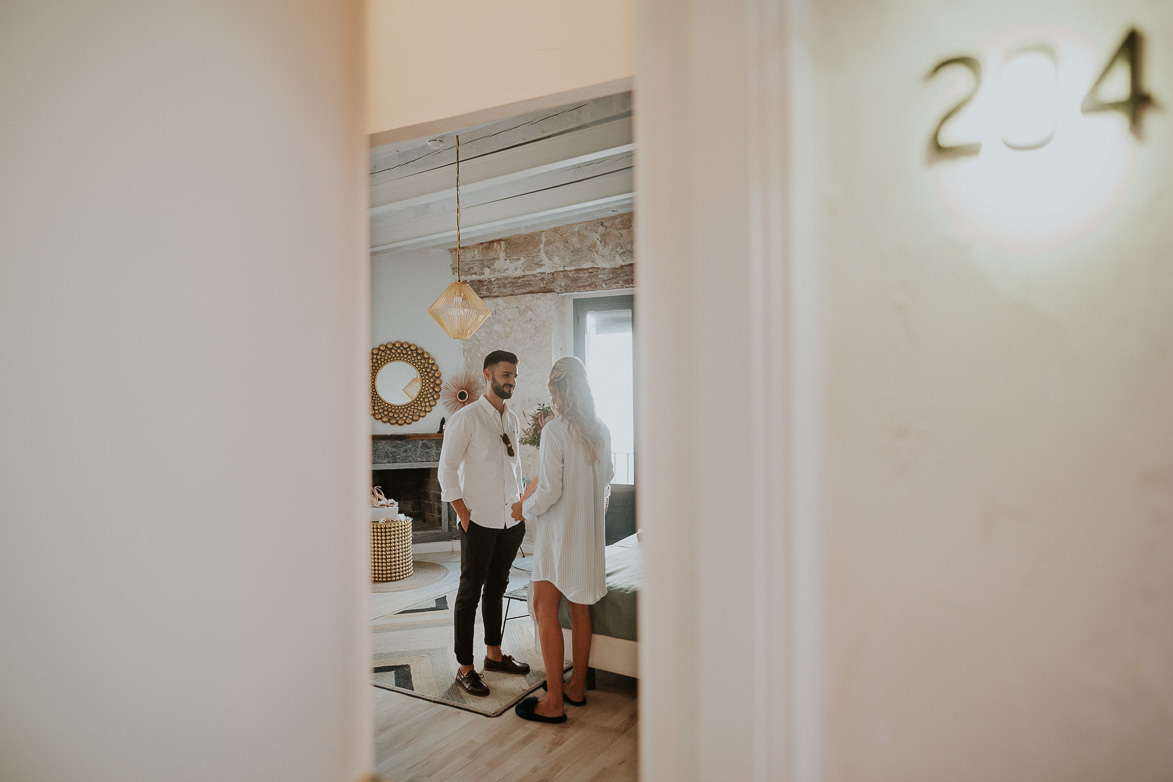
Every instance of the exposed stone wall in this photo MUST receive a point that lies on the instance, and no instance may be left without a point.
(605, 243)
(523, 325)
(529, 324)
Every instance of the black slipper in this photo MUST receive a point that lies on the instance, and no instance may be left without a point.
(525, 710)
(565, 697)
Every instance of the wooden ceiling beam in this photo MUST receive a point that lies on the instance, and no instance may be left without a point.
(486, 171)
(524, 223)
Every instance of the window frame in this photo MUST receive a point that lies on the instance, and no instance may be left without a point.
(608, 303)
(622, 301)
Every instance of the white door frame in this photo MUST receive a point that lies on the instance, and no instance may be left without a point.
(730, 611)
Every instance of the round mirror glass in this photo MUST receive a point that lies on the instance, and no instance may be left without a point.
(398, 383)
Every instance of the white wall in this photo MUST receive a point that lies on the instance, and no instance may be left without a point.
(954, 472)
(183, 333)
(998, 536)
(403, 286)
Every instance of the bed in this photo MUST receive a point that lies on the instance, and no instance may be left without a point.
(615, 645)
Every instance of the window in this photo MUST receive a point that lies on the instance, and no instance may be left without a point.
(603, 329)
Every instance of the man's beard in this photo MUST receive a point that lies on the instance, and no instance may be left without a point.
(500, 391)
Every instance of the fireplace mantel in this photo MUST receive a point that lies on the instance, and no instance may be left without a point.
(426, 436)
(390, 451)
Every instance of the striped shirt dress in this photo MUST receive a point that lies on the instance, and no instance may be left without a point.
(566, 513)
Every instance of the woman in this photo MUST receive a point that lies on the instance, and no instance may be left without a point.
(569, 537)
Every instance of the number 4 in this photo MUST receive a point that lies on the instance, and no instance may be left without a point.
(1137, 100)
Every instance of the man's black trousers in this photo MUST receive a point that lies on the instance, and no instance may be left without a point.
(485, 558)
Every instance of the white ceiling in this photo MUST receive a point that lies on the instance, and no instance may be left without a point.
(537, 171)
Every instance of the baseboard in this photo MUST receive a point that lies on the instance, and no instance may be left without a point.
(435, 547)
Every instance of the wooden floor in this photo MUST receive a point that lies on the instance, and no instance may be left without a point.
(419, 740)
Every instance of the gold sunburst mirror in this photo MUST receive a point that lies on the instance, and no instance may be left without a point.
(405, 383)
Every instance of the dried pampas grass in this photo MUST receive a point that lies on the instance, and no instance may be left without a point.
(461, 391)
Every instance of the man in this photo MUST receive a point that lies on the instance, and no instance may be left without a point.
(480, 474)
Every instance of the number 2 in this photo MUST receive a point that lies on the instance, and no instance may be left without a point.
(939, 150)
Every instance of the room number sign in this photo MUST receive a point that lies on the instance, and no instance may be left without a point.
(1128, 55)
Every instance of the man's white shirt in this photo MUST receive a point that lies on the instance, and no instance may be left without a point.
(475, 465)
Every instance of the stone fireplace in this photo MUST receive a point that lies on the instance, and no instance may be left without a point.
(416, 489)
(405, 468)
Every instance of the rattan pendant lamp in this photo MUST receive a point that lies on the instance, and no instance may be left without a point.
(459, 310)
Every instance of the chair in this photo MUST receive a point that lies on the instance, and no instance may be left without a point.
(520, 593)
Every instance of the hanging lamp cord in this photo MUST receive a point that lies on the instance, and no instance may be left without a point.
(458, 278)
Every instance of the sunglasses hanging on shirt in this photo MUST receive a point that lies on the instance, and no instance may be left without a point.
(508, 444)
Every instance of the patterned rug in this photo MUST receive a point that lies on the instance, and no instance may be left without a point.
(413, 655)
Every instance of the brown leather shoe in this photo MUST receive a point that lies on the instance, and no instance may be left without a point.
(506, 665)
(472, 683)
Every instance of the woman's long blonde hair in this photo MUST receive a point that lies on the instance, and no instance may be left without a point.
(568, 380)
